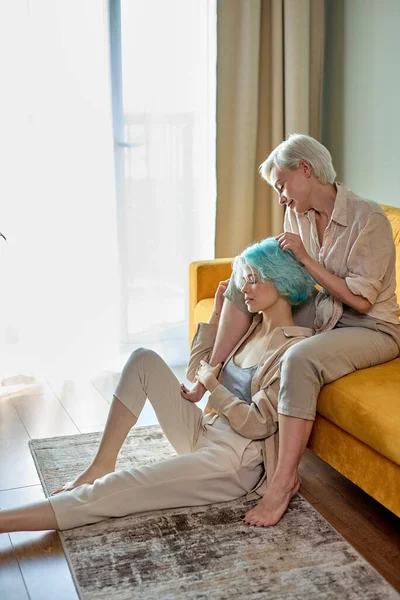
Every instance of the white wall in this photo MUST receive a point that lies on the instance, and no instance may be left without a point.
(361, 116)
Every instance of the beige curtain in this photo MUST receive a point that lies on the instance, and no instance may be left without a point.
(269, 84)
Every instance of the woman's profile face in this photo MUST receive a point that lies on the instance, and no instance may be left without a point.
(258, 295)
(293, 187)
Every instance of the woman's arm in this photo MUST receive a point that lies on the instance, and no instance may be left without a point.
(202, 346)
(334, 285)
(233, 324)
(204, 339)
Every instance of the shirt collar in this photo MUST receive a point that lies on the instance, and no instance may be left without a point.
(290, 331)
(339, 214)
(295, 331)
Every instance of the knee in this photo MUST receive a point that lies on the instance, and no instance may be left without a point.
(295, 354)
(300, 364)
(296, 360)
(143, 355)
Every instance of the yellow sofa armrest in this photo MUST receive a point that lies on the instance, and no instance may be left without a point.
(204, 277)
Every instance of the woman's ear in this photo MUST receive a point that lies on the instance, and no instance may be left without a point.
(306, 168)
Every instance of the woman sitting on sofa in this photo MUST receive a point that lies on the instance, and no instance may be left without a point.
(221, 454)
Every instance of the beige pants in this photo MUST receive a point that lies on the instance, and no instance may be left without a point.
(214, 463)
(357, 342)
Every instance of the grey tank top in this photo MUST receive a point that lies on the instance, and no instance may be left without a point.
(238, 380)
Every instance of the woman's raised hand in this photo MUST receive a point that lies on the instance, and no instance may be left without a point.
(291, 241)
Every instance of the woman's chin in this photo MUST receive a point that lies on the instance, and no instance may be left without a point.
(252, 308)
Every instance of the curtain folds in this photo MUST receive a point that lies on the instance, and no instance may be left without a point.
(269, 84)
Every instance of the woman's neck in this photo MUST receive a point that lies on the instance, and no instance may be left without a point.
(278, 315)
(323, 199)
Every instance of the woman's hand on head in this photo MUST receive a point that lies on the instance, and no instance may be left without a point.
(291, 241)
(207, 375)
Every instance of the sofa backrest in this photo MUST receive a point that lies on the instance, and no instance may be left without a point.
(393, 214)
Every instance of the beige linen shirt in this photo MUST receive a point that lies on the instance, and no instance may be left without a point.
(358, 247)
(259, 419)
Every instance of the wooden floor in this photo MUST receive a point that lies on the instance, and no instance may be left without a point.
(33, 565)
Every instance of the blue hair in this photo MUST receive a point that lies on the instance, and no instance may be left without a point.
(280, 267)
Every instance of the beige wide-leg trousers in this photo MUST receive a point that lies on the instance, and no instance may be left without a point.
(214, 463)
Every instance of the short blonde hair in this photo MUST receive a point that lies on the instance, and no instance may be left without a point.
(293, 150)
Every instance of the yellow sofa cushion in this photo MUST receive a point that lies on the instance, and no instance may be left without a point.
(367, 405)
(203, 310)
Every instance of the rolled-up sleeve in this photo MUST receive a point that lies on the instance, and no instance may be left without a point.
(369, 258)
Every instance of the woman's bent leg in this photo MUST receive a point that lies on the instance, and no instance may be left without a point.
(119, 423)
(145, 374)
(304, 369)
(325, 357)
(293, 438)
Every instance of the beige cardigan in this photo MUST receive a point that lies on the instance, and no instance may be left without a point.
(259, 420)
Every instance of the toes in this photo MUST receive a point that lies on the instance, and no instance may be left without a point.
(249, 522)
(256, 522)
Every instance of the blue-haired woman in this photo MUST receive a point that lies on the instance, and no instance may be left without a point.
(222, 454)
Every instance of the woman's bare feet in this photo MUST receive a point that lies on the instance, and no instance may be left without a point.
(93, 472)
(273, 505)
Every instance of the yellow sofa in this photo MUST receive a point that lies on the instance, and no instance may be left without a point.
(357, 428)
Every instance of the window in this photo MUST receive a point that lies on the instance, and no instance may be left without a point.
(163, 66)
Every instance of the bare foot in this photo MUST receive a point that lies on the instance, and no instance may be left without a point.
(272, 506)
(195, 394)
(90, 475)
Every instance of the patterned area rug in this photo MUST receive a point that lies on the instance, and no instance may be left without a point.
(202, 553)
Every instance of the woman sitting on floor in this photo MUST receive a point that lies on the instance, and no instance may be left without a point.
(222, 454)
